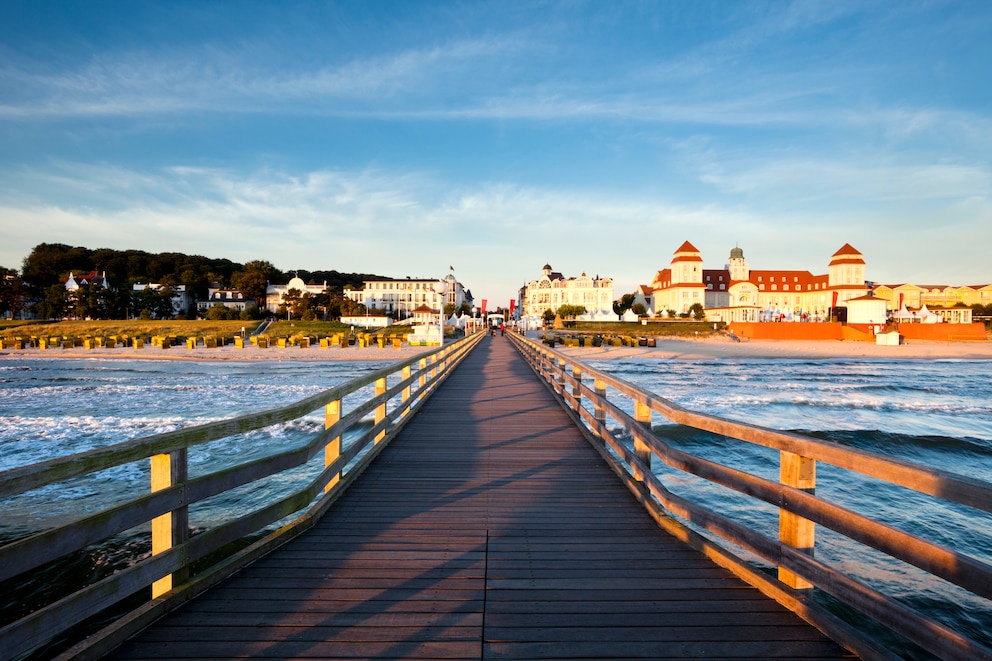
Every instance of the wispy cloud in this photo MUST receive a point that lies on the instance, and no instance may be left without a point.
(214, 79)
(371, 221)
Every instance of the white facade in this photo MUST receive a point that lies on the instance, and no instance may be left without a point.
(181, 299)
(275, 293)
(229, 298)
(367, 320)
(552, 290)
(93, 278)
(400, 298)
(739, 293)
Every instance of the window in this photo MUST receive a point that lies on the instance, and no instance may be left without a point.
(761, 287)
(785, 287)
(723, 287)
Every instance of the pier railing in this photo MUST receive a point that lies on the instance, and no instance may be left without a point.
(618, 416)
(165, 576)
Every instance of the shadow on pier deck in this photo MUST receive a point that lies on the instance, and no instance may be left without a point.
(489, 528)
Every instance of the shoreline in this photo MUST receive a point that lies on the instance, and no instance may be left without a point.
(715, 348)
(712, 348)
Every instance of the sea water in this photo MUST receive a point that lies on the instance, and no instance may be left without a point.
(937, 413)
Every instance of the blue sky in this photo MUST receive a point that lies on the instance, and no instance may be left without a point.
(403, 137)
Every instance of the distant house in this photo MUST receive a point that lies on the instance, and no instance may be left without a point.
(229, 298)
(181, 299)
(74, 282)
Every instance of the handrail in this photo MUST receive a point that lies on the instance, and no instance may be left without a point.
(799, 507)
(404, 385)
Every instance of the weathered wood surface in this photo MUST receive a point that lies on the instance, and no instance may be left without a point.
(489, 529)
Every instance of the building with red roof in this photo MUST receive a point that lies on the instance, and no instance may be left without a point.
(738, 293)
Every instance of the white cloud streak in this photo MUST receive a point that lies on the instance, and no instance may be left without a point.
(498, 235)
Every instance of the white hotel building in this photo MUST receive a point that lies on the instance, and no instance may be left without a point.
(552, 290)
(399, 298)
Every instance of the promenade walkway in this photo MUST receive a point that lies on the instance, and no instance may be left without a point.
(488, 529)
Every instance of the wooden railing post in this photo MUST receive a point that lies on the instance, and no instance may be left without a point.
(332, 413)
(642, 413)
(170, 529)
(577, 387)
(407, 371)
(799, 533)
(423, 373)
(599, 411)
(380, 410)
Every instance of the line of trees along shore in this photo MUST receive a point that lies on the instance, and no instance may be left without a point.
(39, 287)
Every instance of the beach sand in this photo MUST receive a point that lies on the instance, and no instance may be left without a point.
(666, 349)
(724, 347)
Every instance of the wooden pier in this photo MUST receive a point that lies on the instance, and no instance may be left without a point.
(488, 529)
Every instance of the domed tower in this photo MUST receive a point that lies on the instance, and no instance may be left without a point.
(547, 270)
(737, 265)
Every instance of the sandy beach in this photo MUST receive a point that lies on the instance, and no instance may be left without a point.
(723, 347)
(666, 349)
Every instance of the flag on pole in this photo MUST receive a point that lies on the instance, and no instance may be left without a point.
(483, 307)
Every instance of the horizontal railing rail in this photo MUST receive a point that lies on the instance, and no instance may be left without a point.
(794, 495)
(399, 390)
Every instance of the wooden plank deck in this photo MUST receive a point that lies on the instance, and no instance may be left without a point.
(488, 529)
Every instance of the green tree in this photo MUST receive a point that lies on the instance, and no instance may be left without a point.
(639, 309)
(91, 301)
(220, 312)
(571, 311)
(697, 311)
(12, 292)
(55, 304)
(292, 304)
(254, 280)
(624, 303)
(449, 309)
(548, 316)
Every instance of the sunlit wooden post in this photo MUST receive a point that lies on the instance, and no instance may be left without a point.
(577, 387)
(435, 360)
(599, 410)
(642, 413)
(799, 472)
(332, 413)
(170, 529)
(407, 371)
(423, 375)
(560, 376)
(380, 410)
